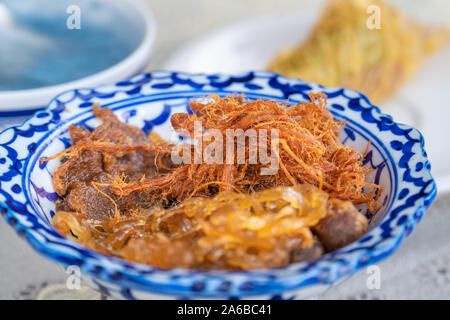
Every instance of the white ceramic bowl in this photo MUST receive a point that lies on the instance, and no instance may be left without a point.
(16, 102)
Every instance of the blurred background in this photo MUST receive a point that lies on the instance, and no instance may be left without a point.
(235, 35)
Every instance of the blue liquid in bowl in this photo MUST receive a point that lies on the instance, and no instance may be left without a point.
(39, 50)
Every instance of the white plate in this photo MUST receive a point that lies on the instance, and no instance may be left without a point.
(424, 102)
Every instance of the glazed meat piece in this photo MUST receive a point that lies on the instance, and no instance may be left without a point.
(115, 130)
(86, 199)
(308, 254)
(343, 225)
(84, 168)
(84, 178)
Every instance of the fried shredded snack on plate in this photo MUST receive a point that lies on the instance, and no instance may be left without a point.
(342, 51)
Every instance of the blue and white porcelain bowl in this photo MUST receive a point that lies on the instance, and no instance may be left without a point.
(26, 193)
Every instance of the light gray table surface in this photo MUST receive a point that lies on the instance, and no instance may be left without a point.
(420, 269)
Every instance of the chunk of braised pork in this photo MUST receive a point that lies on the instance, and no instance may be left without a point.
(84, 179)
(343, 225)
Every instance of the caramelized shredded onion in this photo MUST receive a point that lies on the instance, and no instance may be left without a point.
(231, 230)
